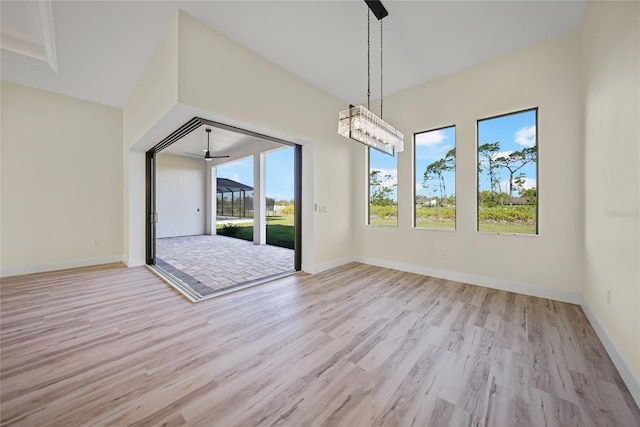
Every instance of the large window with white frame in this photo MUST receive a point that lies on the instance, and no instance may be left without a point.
(508, 173)
(435, 178)
(383, 183)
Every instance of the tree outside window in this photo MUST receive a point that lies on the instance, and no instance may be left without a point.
(383, 183)
(435, 174)
(508, 173)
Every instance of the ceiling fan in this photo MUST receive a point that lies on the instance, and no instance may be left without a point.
(207, 156)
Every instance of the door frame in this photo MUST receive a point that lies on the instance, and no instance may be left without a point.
(181, 132)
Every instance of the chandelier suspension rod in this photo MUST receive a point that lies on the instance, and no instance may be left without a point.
(369, 64)
(368, 59)
(359, 123)
(381, 92)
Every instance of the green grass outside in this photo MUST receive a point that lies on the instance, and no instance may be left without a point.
(280, 231)
(383, 216)
(384, 222)
(442, 218)
(281, 220)
(498, 219)
(506, 213)
(239, 231)
(508, 228)
(508, 219)
(440, 225)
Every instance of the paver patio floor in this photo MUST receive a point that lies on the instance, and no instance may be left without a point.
(210, 264)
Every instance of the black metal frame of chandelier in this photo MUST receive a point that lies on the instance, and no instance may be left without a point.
(377, 8)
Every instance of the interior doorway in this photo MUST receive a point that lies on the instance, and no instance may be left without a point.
(223, 210)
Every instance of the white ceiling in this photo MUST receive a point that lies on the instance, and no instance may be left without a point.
(222, 143)
(101, 47)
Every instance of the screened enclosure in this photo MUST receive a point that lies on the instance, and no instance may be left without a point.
(234, 199)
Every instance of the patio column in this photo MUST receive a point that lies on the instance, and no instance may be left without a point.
(259, 200)
(211, 200)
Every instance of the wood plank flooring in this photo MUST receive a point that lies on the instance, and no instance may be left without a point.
(354, 346)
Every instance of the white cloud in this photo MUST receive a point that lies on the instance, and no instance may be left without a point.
(433, 153)
(526, 136)
(484, 161)
(235, 177)
(429, 139)
(393, 173)
(503, 154)
(528, 183)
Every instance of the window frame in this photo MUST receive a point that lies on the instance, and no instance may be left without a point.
(455, 221)
(535, 109)
(368, 193)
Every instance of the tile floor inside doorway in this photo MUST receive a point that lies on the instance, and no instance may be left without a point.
(210, 264)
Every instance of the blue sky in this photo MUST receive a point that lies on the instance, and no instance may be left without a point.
(279, 165)
(387, 165)
(430, 146)
(514, 132)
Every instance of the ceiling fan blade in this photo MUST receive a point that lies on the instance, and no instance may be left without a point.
(209, 157)
(193, 154)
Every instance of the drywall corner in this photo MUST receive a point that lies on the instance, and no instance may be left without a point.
(156, 91)
(611, 86)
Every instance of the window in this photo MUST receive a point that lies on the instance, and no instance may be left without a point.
(383, 183)
(435, 172)
(508, 173)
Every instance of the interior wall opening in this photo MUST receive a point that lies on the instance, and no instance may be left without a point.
(223, 208)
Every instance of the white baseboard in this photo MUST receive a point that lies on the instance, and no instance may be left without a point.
(628, 375)
(32, 269)
(624, 368)
(329, 265)
(487, 282)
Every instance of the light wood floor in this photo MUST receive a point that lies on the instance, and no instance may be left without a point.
(357, 345)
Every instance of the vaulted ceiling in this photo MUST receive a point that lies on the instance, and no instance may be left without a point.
(97, 50)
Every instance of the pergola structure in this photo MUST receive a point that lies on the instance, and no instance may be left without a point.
(237, 205)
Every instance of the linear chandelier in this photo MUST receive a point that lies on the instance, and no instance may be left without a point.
(359, 123)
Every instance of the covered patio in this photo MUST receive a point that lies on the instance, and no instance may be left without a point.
(208, 265)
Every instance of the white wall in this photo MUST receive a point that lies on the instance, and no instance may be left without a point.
(218, 75)
(64, 186)
(155, 94)
(544, 75)
(61, 181)
(611, 64)
(157, 90)
(180, 196)
(223, 81)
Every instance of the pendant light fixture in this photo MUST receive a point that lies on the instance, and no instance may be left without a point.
(359, 123)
